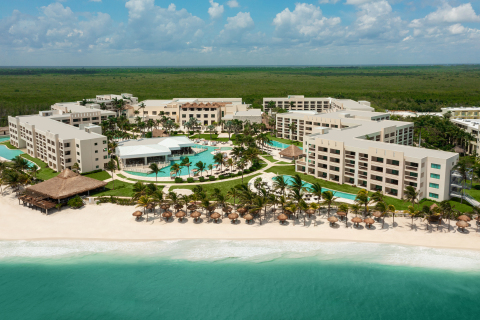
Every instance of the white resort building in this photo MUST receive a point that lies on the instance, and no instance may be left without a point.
(300, 103)
(367, 150)
(137, 155)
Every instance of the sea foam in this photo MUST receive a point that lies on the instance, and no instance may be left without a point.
(255, 251)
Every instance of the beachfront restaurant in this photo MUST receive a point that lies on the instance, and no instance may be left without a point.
(143, 152)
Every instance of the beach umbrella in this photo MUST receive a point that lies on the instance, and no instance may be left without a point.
(282, 217)
(357, 220)
(150, 207)
(180, 214)
(167, 214)
(369, 222)
(332, 220)
(241, 210)
(377, 214)
(192, 207)
(464, 218)
(164, 206)
(248, 217)
(310, 212)
(233, 216)
(178, 206)
(195, 215)
(462, 224)
(210, 208)
(215, 216)
(137, 214)
(288, 212)
(341, 214)
(227, 209)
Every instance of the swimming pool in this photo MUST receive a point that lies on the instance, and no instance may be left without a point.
(280, 145)
(4, 138)
(9, 153)
(206, 157)
(339, 194)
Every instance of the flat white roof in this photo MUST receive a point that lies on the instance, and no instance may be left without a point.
(154, 103)
(152, 147)
(64, 131)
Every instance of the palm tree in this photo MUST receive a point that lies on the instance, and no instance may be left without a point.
(154, 169)
(144, 201)
(297, 183)
(232, 193)
(75, 167)
(200, 166)
(139, 189)
(280, 184)
(230, 163)
(241, 165)
(362, 199)
(34, 170)
(210, 129)
(20, 163)
(175, 168)
(411, 195)
(355, 208)
(111, 166)
(157, 197)
(384, 208)
(447, 209)
(218, 159)
(316, 190)
(293, 128)
(186, 162)
(328, 199)
(210, 167)
(344, 207)
(413, 213)
(463, 167)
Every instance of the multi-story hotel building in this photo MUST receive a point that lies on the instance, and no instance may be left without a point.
(463, 112)
(472, 127)
(361, 149)
(205, 110)
(60, 137)
(300, 103)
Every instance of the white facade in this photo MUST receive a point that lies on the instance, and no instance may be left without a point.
(300, 103)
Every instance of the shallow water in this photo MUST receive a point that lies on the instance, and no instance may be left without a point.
(209, 279)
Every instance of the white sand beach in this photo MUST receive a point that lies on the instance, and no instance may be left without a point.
(112, 222)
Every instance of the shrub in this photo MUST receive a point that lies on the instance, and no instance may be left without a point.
(191, 132)
(246, 171)
(75, 202)
(189, 180)
(90, 172)
(201, 179)
(178, 180)
(221, 177)
(212, 178)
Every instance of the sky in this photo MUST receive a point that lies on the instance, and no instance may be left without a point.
(238, 32)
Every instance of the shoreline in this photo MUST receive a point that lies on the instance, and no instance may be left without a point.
(110, 223)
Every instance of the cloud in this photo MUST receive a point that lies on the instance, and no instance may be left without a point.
(237, 31)
(359, 2)
(305, 22)
(328, 1)
(152, 27)
(241, 21)
(216, 10)
(233, 4)
(448, 14)
(95, 0)
(56, 28)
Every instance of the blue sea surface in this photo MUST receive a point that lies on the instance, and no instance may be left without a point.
(211, 279)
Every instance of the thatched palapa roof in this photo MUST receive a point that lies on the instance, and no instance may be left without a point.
(292, 152)
(159, 133)
(66, 184)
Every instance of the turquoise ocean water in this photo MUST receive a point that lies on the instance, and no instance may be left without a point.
(203, 279)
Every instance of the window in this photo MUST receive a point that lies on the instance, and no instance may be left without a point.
(67, 153)
(435, 166)
(154, 113)
(97, 167)
(78, 153)
(174, 113)
(395, 172)
(205, 115)
(434, 176)
(96, 159)
(413, 174)
(213, 115)
(68, 160)
(395, 163)
(96, 151)
(96, 143)
(67, 145)
(433, 185)
(184, 115)
(104, 141)
(78, 161)
(104, 157)
(78, 146)
(433, 195)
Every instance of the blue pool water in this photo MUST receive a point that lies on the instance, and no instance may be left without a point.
(209, 279)
(339, 194)
(280, 145)
(206, 157)
(9, 153)
(4, 138)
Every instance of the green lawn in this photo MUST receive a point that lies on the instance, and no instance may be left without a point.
(9, 145)
(102, 175)
(398, 203)
(223, 186)
(45, 172)
(475, 191)
(270, 158)
(122, 189)
(286, 141)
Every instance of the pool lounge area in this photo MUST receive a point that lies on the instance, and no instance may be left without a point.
(339, 194)
(206, 157)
